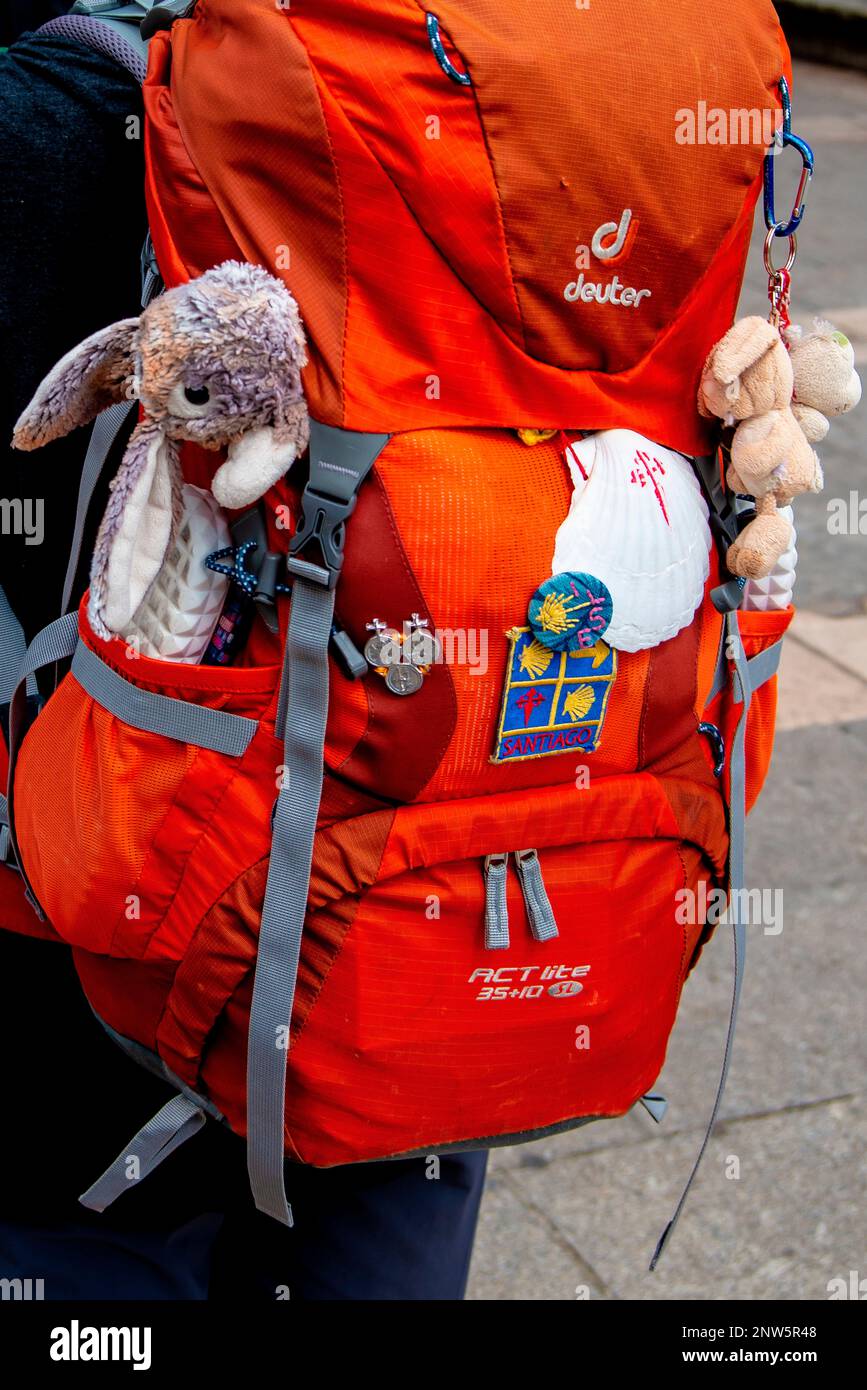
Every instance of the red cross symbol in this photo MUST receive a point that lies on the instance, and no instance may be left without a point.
(528, 702)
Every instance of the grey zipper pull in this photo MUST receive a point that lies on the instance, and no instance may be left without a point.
(496, 908)
(539, 912)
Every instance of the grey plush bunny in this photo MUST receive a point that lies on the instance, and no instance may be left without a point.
(217, 361)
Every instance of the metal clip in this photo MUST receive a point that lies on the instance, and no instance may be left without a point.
(714, 735)
(783, 137)
(779, 278)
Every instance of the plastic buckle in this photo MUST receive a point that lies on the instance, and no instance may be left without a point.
(151, 279)
(323, 521)
(340, 460)
(163, 16)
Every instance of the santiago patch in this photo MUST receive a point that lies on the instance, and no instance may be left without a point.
(553, 701)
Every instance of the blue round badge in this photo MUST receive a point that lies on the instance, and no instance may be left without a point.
(570, 611)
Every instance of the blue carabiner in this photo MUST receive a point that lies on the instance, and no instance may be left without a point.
(785, 137)
(786, 99)
(435, 39)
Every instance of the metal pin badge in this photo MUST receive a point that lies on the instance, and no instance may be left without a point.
(421, 646)
(404, 678)
(383, 648)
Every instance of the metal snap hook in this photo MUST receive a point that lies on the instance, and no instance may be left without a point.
(782, 139)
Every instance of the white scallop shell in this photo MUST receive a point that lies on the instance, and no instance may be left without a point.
(639, 522)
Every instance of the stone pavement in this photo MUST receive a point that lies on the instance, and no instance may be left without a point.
(583, 1211)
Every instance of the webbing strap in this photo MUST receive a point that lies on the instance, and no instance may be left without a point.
(340, 460)
(176, 1122)
(215, 729)
(54, 643)
(747, 676)
(13, 645)
(655, 1105)
(721, 670)
(306, 679)
(106, 428)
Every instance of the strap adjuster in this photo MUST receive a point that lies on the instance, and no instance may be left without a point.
(163, 16)
(340, 460)
(323, 521)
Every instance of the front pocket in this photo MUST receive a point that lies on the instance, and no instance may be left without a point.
(420, 1037)
(128, 835)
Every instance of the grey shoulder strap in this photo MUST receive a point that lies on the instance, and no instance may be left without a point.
(339, 462)
(121, 31)
(13, 645)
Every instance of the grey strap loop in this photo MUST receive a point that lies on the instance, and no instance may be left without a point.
(540, 914)
(764, 665)
(178, 1120)
(306, 679)
(13, 645)
(655, 1105)
(496, 905)
(106, 428)
(54, 643)
(721, 670)
(742, 694)
(215, 729)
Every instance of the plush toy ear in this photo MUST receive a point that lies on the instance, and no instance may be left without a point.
(137, 531)
(254, 463)
(744, 345)
(87, 380)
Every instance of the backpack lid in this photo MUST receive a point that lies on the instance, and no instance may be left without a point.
(505, 217)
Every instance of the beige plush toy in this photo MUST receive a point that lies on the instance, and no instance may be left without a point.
(747, 373)
(826, 382)
(748, 381)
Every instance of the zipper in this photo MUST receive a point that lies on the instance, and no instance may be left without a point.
(540, 914)
(496, 908)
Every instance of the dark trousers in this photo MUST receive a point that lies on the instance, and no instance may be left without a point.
(365, 1232)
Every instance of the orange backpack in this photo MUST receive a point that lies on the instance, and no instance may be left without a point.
(355, 924)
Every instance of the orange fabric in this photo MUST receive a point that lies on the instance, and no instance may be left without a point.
(128, 837)
(16, 914)
(430, 271)
(147, 853)
(758, 631)
(430, 275)
(402, 1048)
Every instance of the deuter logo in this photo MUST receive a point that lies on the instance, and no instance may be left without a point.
(528, 981)
(605, 249)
